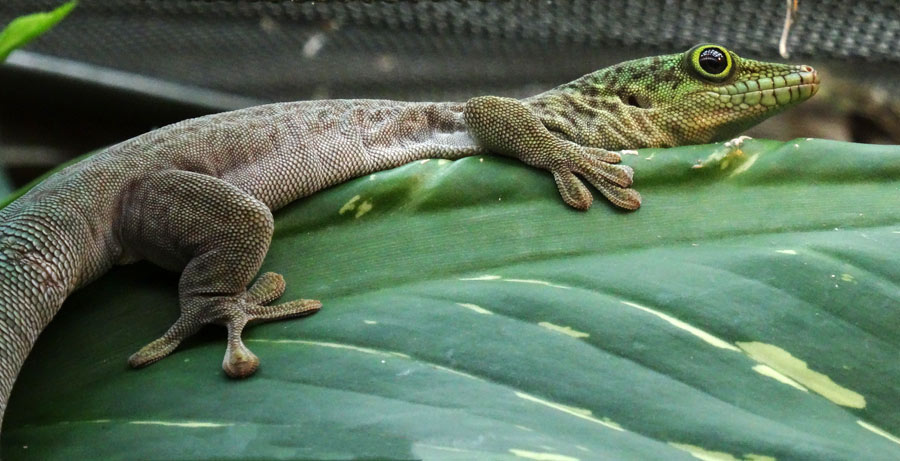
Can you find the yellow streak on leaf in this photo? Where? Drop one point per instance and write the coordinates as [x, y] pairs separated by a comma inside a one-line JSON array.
[[482, 277], [704, 454], [501, 279], [577, 412], [745, 166], [538, 282], [364, 208], [879, 431], [755, 457], [541, 456], [786, 252], [349, 206], [351, 347], [796, 369], [455, 372], [766, 370], [475, 308], [712, 340], [191, 424], [564, 330]]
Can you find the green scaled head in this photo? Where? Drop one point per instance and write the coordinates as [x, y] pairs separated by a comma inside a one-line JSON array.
[[705, 94]]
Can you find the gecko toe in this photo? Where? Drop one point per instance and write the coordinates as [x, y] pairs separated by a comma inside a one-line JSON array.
[[164, 345], [239, 361], [267, 288], [573, 190]]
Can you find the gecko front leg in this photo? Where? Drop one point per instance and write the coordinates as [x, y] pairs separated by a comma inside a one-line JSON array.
[[507, 127]]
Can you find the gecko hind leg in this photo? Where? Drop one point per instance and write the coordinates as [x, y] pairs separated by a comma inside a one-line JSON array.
[[218, 234]]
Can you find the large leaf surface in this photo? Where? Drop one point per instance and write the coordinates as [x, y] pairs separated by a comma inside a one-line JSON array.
[[750, 310]]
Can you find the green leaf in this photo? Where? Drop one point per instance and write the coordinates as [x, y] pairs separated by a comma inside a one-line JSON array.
[[748, 311], [26, 28], [5, 186]]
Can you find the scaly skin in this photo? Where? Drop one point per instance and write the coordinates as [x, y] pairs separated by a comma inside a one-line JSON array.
[[197, 196]]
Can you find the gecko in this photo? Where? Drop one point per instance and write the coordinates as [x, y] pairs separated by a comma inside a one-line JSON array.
[[197, 196]]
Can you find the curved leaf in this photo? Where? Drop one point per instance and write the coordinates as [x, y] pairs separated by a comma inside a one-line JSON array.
[[26, 28], [749, 310]]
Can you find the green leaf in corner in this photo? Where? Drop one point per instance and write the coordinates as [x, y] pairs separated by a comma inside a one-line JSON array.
[[750, 310], [26, 28]]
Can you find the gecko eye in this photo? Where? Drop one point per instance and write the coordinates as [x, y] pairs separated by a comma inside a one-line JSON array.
[[711, 62]]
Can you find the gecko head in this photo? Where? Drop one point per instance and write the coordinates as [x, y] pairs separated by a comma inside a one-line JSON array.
[[705, 94]]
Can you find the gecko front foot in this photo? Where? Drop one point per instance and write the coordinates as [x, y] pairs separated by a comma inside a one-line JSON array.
[[508, 127], [235, 313]]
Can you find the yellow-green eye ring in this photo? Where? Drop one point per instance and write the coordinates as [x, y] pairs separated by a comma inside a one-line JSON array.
[[711, 62]]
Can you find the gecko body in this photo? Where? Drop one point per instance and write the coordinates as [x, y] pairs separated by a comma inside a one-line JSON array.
[[197, 196]]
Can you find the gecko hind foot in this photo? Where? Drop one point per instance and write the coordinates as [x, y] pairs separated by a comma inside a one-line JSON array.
[[235, 313]]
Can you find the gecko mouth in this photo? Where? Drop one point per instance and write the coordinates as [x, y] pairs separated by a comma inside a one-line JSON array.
[[769, 92]]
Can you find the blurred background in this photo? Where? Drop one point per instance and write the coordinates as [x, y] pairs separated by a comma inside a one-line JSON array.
[[116, 68]]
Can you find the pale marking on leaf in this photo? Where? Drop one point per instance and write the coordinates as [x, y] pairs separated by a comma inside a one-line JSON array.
[[350, 205], [712, 340], [755, 457], [455, 372], [564, 330], [528, 429], [192, 424], [879, 431], [848, 278], [483, 277], [582, 448], [786, 252], [541, 456], [364, 208], [744, 166], [372, 177], [443, 161], [895, 232], [766, 370], [628, 152], [796, 369], [370, 322], [501, 279], [650, 157], [538, 282], [92, 421], [330, 345], [577, 412], [704, 454], [475, 308], [425, 161]]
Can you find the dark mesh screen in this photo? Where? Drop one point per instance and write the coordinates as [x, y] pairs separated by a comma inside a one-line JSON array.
[[280, 50]]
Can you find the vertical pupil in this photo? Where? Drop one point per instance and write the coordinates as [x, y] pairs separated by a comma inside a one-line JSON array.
[[712, 61]]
